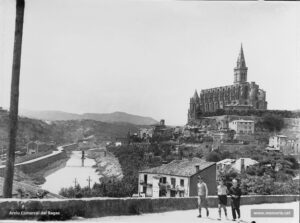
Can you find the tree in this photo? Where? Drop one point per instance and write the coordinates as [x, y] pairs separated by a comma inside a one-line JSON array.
[[213, 157], [14, 99], [273, 122]]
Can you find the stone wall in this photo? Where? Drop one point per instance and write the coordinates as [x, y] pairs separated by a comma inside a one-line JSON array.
[[32, 167], [40, 164], [98, 207]]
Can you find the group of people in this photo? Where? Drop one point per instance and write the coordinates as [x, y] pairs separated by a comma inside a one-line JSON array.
[[234, 193]]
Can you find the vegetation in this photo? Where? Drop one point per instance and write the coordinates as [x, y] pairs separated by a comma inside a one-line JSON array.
[[62, 131], [271, 122], [259, 113], [272, 175], [131, 158]]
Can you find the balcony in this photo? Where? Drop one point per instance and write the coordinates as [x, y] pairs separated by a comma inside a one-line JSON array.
[[177, 188], [145, 183], [166, 186]]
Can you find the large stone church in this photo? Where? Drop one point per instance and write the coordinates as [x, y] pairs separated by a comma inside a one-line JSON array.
[[241, 95]]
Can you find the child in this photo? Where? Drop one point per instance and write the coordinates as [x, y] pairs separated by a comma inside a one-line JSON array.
[[202, 193], [222, 195], [235, 194]]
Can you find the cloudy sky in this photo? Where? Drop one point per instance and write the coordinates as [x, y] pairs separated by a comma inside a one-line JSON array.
[[147, 57]]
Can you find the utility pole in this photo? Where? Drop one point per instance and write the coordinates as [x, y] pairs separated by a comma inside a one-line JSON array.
[[82, 158], [75, 182], [14, 100], [89, 180]]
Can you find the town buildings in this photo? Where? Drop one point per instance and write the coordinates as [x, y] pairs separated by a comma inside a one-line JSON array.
[[177, 178], [281, 143], [242, 126], [239, 165], [242, 95]]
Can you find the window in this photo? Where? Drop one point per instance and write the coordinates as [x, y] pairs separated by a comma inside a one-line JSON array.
[[145, 178], [173, 182], [163, 180], [182, 182]]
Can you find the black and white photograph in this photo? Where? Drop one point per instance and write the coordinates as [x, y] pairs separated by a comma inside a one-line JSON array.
[[149, 111]]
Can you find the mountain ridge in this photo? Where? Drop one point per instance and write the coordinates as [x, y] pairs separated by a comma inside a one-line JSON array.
[[114, 117]]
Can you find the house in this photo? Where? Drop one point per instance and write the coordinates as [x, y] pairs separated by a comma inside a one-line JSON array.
[[145, 133], [117, 144], [242, 126], [282, 143], [238, 165], [177, 178], [32, 147], [225, 164], [241, 164], [87, 142]]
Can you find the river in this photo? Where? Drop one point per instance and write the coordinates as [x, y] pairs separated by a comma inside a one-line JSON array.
[[65, 177]]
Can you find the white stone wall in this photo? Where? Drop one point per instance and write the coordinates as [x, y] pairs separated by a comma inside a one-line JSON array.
[[168, 180], [242, 127]]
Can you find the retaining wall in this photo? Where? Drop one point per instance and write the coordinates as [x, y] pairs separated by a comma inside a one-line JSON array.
[[32, 167], [98, 207]]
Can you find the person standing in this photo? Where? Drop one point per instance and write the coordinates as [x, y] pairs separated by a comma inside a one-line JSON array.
[[235, 194], [202, 196], [222, 196]]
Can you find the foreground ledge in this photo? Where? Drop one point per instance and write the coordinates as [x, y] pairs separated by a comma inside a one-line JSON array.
[[62, 209]]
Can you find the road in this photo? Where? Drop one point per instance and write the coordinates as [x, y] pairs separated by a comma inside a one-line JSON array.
[[59, 150], [190, 216]]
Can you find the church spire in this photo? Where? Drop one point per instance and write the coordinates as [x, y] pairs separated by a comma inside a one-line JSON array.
[[240, 71], [196, 96], [241, 63]]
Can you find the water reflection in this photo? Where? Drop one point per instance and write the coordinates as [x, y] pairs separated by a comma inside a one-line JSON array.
[[76, 168]]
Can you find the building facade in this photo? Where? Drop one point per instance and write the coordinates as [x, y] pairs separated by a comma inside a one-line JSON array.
[[282, 143], [242, 95], [177, 178], [242, 126]]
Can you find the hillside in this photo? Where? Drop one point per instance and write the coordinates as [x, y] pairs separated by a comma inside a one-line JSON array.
[[62, 131], [103, 117]]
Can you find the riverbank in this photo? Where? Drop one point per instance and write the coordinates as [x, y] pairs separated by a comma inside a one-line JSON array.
[[107, 165], [38, 177], [76, 171]]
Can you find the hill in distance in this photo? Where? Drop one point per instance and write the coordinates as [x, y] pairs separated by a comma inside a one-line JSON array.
[[102, 117], [62, 132]]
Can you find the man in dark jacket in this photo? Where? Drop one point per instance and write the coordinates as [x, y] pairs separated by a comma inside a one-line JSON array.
[[235, 194]]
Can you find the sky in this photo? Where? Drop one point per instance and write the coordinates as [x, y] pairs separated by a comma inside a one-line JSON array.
[[147, 57]]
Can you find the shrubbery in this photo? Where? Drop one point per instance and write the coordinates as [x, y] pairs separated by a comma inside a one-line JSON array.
[[259, 113]]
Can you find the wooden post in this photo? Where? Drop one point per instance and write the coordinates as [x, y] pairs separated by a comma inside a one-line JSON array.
[[89, 180], [75, 182], [14, 100]]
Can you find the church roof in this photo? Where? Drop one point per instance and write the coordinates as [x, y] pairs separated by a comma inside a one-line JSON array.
[[241, 63]]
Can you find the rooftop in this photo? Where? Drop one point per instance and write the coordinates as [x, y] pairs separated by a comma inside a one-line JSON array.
[[226, 161], [242, 120], [184, 168]]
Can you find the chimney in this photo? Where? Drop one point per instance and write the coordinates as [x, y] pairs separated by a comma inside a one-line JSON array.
[[242, 165], [197, 168], [162, 122]]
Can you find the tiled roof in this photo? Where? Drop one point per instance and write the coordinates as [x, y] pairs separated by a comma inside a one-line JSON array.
[[180, 167]]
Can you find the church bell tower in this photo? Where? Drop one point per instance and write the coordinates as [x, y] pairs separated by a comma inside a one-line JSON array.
[[240, 71]]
